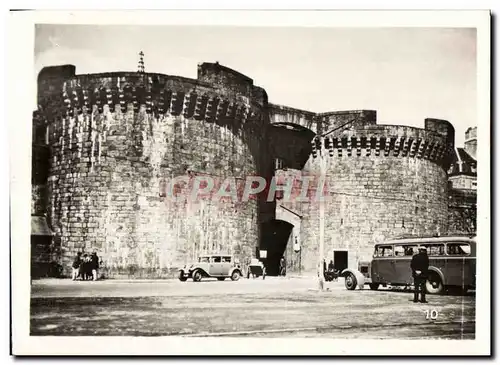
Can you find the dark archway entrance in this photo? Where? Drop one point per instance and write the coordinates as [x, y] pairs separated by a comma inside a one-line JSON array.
[[275, 235]]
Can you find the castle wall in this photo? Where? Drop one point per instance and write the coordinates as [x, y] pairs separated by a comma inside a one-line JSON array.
[[116, 145], [285, 114], [107, 146], [345, 119], [379, 185]]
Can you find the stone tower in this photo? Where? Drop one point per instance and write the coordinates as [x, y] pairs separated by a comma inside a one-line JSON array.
[[116, 141]]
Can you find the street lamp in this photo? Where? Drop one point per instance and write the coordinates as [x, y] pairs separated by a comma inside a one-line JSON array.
[[318, 144], [322, 162]]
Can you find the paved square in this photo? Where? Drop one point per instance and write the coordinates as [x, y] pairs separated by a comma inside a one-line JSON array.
[[275, 307]]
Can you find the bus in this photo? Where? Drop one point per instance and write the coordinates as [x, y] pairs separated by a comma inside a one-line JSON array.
[[452, 264]]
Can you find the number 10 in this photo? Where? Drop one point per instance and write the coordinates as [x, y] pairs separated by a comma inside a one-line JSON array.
[[432, 314]]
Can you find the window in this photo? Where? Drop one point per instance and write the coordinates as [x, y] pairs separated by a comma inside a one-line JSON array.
[[410, 250], [226, 259], [384, 251], [203, 259], [434, 249], [458, 249], [405, 250], [399, 250], [216, 259]]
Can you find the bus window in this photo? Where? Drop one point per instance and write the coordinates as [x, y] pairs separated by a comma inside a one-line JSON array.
[[458, 249], [399, 250], [384, 251], [410, 250], [436, 249]]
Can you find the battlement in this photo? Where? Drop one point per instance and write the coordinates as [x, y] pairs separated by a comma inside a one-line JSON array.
[[345, 119], [63, 93], [224, 77], [160, 98], [56, 72], [388, 140]]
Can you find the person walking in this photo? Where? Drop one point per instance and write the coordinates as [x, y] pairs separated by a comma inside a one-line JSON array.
[[419, 267], [76, 266]]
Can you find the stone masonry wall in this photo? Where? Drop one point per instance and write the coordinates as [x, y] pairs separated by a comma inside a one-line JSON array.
[[111, 143], [114, 153], [377, 189]]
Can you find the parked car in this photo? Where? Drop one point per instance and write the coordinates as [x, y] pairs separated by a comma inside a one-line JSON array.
[[452, 264], [212, 266]]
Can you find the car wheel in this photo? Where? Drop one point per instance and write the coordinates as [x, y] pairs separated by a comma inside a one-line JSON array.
[[433, 284], [182, 277], [197, 275], [235, 275], [374, 286], [221, 279], [350, 281]]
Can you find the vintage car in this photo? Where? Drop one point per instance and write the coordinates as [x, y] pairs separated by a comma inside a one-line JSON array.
[[212, 266], [452, 264]]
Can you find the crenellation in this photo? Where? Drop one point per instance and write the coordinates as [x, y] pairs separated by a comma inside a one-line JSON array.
[[387, 146], [397, 145], [421, 149]]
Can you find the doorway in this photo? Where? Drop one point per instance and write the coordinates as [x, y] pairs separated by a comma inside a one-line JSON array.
[[340, 260], [275, 237]]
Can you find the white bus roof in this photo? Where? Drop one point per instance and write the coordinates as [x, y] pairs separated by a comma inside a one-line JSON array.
[[430, 240]]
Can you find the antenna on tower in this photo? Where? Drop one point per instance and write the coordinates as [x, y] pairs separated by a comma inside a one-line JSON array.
[[140, 67]]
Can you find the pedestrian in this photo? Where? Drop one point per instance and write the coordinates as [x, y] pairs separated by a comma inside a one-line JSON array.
[[94, 265], [419, 267], [84, 267], [331, 266], [282, 266], [76, 266]]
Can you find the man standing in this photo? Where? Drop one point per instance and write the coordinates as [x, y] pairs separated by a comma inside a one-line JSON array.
[[419, 267], [76, 266], [94, 259], [282, 267]]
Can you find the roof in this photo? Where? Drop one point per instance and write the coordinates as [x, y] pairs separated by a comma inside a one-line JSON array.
[[39, 226], [431, 239], [462, 163], [215, 254]]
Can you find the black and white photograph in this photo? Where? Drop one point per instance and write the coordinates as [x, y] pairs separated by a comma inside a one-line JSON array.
[[228, 180]]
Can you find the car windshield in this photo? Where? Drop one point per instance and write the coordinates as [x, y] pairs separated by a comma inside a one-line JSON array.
[[204, 259]]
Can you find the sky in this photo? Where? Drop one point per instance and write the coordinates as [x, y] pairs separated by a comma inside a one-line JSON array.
[[406, 74]]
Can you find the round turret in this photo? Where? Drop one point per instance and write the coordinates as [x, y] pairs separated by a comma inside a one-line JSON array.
[[381, 181], [117, 141]]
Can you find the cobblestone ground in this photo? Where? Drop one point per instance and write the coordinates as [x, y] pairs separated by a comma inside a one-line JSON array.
[[275, 307]]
